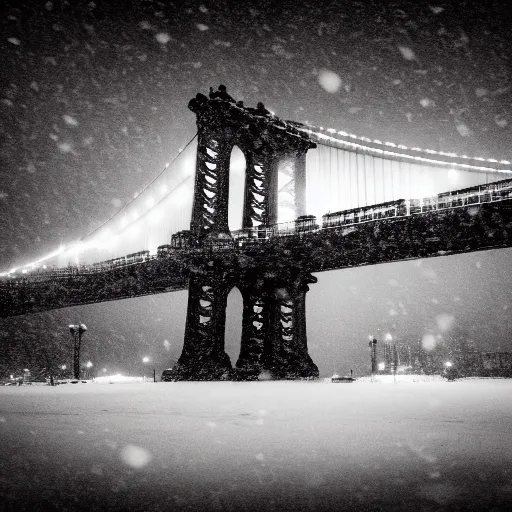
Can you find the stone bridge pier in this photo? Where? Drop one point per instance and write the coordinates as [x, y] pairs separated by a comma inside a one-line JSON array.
[[273, 342], [274, 337], [274, 315]]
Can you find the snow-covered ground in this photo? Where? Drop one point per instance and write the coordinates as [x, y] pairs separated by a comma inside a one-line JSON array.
[[419, 444]]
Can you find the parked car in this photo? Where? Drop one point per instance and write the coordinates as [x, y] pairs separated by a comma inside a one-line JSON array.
[[167, 375]]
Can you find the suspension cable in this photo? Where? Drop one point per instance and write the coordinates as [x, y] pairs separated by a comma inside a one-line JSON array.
[[143, 190]]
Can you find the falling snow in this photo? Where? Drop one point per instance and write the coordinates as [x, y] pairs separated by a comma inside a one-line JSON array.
[[463, 129], [407, 52], [70, 120], [94, 103], [163, 37], [135, 456], [329, 80]]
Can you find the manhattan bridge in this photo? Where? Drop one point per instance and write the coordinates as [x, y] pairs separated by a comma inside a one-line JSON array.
[[313, 200]]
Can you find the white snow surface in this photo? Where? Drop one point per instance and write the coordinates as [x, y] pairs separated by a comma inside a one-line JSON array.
[[417, 444]]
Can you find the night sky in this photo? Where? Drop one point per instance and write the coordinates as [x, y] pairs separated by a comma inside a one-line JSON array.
[[93, 103]]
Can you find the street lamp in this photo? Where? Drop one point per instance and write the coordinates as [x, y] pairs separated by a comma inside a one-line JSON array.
[[88, 366], [373, 352], [76, 331], [145, 360]]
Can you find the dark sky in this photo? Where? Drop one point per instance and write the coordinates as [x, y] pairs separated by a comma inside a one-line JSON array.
[[93, 99]]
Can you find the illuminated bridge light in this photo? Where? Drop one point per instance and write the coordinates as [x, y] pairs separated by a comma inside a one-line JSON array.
[[402, 146], [411, 157]]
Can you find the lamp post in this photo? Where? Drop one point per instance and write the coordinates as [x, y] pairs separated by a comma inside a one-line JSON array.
[[76, 331], [373, 352], [146, 360], [88, 366]]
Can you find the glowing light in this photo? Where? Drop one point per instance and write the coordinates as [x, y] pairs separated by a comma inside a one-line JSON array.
[[145, 359], [388, 337], [133, 230], [409, 157], [155, 216], [401, 146], [381, 366], [448, 364]]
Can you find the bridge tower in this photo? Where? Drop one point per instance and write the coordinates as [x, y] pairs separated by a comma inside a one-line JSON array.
[[274, 324]]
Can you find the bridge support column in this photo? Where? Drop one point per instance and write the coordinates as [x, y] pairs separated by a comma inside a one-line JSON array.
[[260, 201], [290, 358], [211, 191], [255, 333], [203, 356]]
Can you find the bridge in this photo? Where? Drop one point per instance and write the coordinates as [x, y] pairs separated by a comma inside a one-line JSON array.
[[261, 204]]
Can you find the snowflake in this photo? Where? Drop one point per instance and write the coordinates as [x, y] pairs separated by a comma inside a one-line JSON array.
[[163, 37], [329, 80], [70, 120], [425, 102], [407, 53]]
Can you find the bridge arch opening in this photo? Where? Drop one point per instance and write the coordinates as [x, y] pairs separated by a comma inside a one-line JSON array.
[[233, 332], [237, 172]]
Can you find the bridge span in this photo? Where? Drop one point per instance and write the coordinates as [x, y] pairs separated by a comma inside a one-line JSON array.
[[311, 201]]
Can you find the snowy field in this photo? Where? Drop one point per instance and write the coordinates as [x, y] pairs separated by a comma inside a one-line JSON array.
[[414, 445]]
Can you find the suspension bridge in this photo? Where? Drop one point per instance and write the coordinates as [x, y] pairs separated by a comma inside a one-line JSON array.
[[260, 203]]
